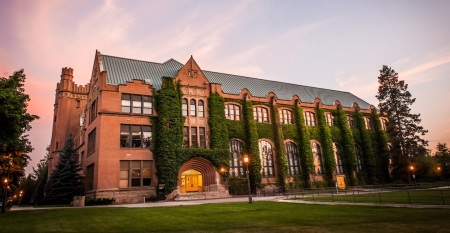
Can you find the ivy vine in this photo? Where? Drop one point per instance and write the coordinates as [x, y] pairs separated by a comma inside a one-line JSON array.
[[326, 140], [304, 146], [252, 146], [280, 150]]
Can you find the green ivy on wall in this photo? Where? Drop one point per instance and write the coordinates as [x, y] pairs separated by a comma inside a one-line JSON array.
[[326, 141], [252, 146], [169, 133], [280, 150], [290, 132], [347, 146], [368, 156], [382, 150], [218, 130], [304, 146], [265, 130]]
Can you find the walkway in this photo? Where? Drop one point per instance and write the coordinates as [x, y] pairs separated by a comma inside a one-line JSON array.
[[240, 199]]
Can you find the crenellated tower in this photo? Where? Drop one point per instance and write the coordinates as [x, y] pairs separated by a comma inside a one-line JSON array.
[[70, 102]]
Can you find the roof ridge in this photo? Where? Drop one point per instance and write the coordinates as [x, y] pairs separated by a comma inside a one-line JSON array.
[[279, 82], [131, 59]]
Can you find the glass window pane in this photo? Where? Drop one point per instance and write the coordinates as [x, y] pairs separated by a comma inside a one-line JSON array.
[[184, 107], [193, 109], [137, 105], [126, 103], [135, 182], [136, 164], [124, 175], [136, 139], [147, 134], [125, 136]]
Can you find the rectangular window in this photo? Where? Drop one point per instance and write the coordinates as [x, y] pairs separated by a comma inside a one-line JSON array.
[[124, 174], [329, 118], [185, 137], [147, 107], [91, 142], [135, 136], [202, 137], [194, 141], [137, 104], [126, 103], [135, 173], [93, 111], [89, 185]]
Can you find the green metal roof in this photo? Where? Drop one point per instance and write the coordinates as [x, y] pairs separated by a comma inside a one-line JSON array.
[[123, 70]]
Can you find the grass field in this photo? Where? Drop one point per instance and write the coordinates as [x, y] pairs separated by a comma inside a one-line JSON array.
[[425, 197], [229, 217]]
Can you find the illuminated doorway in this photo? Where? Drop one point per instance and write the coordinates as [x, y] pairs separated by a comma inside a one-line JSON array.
[[191, 181]]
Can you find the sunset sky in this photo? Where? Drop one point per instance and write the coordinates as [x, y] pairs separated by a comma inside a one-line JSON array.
[[338, 45]]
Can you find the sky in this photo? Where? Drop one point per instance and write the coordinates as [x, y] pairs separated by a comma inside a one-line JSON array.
[[338, 45]]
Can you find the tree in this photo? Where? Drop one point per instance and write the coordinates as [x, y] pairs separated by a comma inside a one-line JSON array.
[[41, 175], [403, 126], [442, 156], [14, 144], [65, 181]]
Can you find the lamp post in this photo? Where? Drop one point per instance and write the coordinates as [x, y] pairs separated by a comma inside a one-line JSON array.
[[20, 196], [246, 161], [5, 182], [223, 172], [439, 171], [413, 174]]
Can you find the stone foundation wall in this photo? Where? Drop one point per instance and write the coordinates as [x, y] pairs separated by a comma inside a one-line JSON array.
[[123, 196]]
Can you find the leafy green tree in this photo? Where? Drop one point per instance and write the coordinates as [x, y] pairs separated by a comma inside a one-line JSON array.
[[26, 189], [15, 122], [442, 156], [403, 127], [65, 180]]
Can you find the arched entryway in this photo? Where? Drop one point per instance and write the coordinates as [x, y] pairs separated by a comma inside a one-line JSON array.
[[198, 175]]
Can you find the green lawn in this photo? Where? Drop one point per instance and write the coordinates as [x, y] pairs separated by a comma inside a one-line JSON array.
[[229, 217], [426, 197]]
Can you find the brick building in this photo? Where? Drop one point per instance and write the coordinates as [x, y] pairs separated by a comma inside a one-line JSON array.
[[110, 119]]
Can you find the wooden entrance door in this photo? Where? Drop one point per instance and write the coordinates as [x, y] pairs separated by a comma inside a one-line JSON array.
[[191, 183]]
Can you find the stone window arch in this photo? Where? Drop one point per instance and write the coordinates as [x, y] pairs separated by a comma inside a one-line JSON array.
[[266, 155]]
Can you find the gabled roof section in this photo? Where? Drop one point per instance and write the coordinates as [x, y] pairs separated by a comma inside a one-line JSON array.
[[233, 84], [122, 70]]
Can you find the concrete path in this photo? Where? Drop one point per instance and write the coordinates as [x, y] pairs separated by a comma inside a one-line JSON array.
[[239, 199]]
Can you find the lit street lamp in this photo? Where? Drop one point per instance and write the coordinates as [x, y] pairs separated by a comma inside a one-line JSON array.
[[246, 161], [439, 171], [5, 182]]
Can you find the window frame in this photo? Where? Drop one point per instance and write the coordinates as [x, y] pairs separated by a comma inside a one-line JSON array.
[[338, 158], [236, 164], [201, 108], [368, 123], [91, 142], [350, 120], [293, 158], [192, 107], [232, 112], [144, 130], [261, 114], [128, 102], [266, 154], [329, 118], [286, 116], [310, 118], [317, 156], [129, 170]]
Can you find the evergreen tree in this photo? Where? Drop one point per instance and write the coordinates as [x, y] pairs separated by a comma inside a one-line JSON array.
[[65, 181], [403, 126], [41, 175]]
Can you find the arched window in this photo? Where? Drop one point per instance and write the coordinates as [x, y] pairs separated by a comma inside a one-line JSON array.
[[358, 158], [266, 154], [317, 155], [350, 121], [233, 112], [338, 159], [184, 107], [193, 109], [236, 167], [330, 119], [368, 122], [285, 116], [292, 158], [260, 114], [201, 108], [310, 118], [383, 124]]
